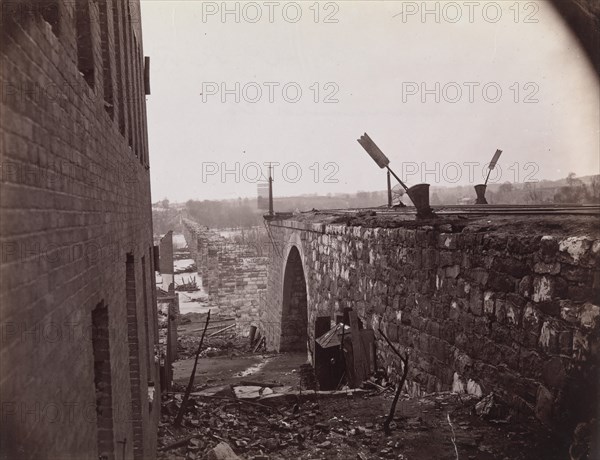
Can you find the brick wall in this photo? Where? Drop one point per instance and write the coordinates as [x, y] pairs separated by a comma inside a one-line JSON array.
[[103, 381], [510, 306], [74, 200]]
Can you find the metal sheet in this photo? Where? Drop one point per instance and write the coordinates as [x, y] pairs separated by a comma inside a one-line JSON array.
[[374, 152], [495, 159]]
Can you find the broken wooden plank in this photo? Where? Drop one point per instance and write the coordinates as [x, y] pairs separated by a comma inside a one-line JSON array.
[[180, 443], [260, 384], [349, 362], [258, 344], [221, 330], [188, 390], [361, 365], [368, 340]]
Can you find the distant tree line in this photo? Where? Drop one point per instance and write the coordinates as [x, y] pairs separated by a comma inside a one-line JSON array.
[[225, 214], [244, 213], [577, 191]]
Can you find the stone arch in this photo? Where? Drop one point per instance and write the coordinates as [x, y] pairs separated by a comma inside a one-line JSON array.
[[294, 308]]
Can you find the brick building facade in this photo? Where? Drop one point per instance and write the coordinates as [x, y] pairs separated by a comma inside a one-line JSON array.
[[78, 376]]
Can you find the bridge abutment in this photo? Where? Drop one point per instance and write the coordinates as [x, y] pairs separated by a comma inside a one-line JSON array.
[[483, 305]]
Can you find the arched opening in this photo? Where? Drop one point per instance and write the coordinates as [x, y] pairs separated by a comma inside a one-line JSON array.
[[294, 312]]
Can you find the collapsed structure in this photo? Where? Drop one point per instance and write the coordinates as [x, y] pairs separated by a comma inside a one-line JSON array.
[[233, 272], [78, 319]]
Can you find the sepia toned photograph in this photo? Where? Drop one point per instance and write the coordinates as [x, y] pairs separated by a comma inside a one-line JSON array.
[[299, 230]]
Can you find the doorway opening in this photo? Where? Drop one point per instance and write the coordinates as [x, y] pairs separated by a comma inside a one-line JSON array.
[[294, 315]]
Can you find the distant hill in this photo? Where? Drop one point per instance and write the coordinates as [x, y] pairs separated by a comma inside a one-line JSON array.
[[245, 212]]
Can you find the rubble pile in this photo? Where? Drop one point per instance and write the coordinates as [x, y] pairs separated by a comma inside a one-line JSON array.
[[222, 338], [189, 285], [190, 268], [257, 430], [344, 426]]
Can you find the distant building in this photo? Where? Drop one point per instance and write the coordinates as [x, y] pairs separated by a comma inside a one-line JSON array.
[[78, 377]]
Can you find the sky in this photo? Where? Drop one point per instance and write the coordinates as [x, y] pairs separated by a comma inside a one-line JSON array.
[[439, 86]]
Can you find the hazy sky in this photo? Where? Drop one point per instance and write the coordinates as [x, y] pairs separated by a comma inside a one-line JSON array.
[[262, 83]]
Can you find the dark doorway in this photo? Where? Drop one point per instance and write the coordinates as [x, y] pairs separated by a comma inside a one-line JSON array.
[[294, 316], [102, 381], [329, 360]]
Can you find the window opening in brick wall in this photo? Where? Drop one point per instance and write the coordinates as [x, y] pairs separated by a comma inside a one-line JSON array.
[[146, 318], [102, 381], [119, 65], [134, 358], [85, 55], [149, 343], [137, 90], [127, 54], [50, 14], [106, 60], [152, 253]]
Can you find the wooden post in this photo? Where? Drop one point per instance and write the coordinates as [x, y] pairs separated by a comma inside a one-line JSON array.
[[361, 366], [389, 190], [188, 390]]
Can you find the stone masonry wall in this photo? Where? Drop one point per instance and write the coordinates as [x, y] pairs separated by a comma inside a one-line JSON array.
[[482, 306], [74, 205], [233, 274]]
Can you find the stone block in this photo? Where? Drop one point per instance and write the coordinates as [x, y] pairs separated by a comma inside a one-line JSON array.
[[589, 316], [481, 325], [581, 346], [565, 343], [547, 268], [531, 317], [500, 333], [465, 261], [489, 303], [500, 310], [501, 282], [554, 373], [518, 244], [222, 451], [516, 268], [574, 249], [526, 286], [548, 340], [476, 301], [430, 258], [569, 311], [548, 248], [543, 288], [544, 404], [578, 292], [549, 307], [453, 271], [446, 258], [447, 241], [530, 363], [495, 241], [479, 276]]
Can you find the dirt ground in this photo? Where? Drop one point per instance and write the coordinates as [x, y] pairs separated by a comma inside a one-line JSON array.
[[304, 425]]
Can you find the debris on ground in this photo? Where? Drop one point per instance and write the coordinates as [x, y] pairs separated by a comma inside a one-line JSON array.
[[222, 451], [190, 268], [315, 425], [269, 407], [188, 285]]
